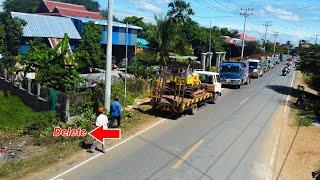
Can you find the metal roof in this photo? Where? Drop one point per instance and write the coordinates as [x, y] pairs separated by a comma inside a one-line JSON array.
[[47, 26], [104, 22]]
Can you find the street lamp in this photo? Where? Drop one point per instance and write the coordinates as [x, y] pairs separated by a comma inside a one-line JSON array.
[[126, 61]]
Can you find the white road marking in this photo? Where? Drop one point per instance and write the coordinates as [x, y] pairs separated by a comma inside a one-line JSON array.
[[275, 147], [109, 149], [244, 101]]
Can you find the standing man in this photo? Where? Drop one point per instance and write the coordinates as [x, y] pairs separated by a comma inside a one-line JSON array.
[[102, 120], [115, 112]]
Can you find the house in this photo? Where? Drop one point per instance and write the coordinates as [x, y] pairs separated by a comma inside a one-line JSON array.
[[55, 8], [50, 28], [234, 45], [118, 37], [79, 15]]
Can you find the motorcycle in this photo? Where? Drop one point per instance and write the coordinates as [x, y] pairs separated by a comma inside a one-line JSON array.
[[285, 71]]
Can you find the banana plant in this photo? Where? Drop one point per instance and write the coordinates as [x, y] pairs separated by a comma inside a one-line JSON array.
[[64, 53]]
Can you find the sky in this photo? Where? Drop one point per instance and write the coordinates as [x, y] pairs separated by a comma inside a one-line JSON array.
[[293, 19]]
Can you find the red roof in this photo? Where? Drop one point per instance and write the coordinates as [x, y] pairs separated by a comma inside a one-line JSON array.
[[246, 38], [67, 9], [76, 13], [51, 5]]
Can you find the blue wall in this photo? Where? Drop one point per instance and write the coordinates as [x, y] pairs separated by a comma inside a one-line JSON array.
[[118, 34]]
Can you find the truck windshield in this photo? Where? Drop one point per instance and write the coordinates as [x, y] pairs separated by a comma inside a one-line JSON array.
[[206, 78], [253, 65], [230, 69]]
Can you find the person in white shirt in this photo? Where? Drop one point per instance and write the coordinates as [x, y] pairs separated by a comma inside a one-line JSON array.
[[102, 120]]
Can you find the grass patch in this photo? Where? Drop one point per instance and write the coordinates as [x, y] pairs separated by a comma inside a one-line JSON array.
[[16, 118], [19, 168], [309, 112]]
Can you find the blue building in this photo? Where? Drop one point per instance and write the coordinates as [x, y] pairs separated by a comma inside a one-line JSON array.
[[53, 27], [118, 36]]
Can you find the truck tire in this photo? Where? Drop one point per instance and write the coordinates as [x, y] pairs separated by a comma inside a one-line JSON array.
[[193, 109], [215, 99], [248, 81]]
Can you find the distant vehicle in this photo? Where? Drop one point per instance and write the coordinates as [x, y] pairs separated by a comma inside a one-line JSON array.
[[265, 66], [285, 70], [277, 59], [255, 69], [235, 73]]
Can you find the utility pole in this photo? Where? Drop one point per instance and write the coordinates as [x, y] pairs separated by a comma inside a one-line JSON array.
[[246, 13], [210, 56], [107, 90], [315, 42], [126, 62], [266, 24], [126, 68], [276, 34]]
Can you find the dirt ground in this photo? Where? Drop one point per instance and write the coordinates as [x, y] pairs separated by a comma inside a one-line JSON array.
[[304, 156]]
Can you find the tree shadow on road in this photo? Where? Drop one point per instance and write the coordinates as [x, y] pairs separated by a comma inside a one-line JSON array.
[[294, 92]]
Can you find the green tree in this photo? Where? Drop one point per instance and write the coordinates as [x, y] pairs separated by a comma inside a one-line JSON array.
[[13, 29], [252, 48], [2, 39], [310, 63], [91, 5], [90, 53], [55, 68], [104, 13], [26, 6], [180, 11]]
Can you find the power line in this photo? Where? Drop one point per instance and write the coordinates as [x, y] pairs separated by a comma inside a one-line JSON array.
[[209, 6], [246, 13], [212, 17]]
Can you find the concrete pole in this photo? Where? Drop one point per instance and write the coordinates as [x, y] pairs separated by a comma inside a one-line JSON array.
[[126, 68], [210, 56], [244, 31], [275, 43], [107, 92]]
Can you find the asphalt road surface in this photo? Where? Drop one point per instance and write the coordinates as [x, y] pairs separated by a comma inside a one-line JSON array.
[[222, 141]]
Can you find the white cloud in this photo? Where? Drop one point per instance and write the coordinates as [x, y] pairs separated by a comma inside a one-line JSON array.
[[282, 13], [123, 14], [146, 6]]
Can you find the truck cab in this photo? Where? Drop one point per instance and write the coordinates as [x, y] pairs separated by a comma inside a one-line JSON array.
[[255, 68], [235, 73], [211, 79]]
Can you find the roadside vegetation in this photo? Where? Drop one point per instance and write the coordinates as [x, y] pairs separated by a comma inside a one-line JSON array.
[[309, 64], [173, 33]]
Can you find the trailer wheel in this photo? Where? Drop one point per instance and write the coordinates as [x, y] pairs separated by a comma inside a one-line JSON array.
[[215, 99], [193, 109]]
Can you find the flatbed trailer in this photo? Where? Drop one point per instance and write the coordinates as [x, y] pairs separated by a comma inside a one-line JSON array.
[[176, 104]]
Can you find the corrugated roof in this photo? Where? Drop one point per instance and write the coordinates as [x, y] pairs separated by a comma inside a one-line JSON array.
[[51, 5], [77, 13], [47, 26], [104, 22]]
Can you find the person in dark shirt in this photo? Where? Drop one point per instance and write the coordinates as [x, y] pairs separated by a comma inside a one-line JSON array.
[[115, 112]]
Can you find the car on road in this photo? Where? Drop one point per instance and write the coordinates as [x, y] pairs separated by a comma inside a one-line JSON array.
[[255, 68]]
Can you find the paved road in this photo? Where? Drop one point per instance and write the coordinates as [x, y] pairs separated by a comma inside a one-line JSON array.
[[221, 141]]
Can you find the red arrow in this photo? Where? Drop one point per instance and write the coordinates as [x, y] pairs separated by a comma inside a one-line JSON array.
[[99, 134]]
